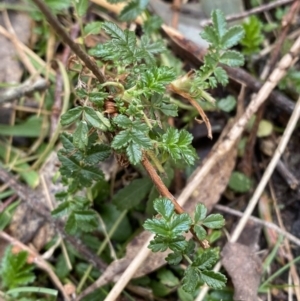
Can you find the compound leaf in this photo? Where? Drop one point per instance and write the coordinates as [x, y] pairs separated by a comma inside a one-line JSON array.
[[213, 279], [214, 221]]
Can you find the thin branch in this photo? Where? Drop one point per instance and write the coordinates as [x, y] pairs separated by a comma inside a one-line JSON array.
[[164, 191], [25, 89], [256, 10], [90, 64], [261, 222]]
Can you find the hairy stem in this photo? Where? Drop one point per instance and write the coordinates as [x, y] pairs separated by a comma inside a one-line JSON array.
[[60, 31]]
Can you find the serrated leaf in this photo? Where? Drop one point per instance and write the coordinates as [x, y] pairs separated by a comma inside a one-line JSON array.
[[97, 153], [71, 116], [169, 109], [180, 223], [191, 279], [141, 139], [174, 258], [232, 36], [157, 226], [253, 35], [122, 121], [200, 232], [210, 35], [131, 195], [83, 220], [14, 270], [214, 221], [152, 24], [200, 212], [219, 22], [91, 116], [158, 244], [114, 30], [232, 58], [213, 279], [132, 10], [121, 139], [80, 135], [177, 244], [164, 207], [239, 182], [206, 260], [134, 153], [227, 104], [92, 28], [61, 210], [221, 76]]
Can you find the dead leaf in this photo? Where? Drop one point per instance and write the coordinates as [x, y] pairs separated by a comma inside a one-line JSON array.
[[244, 268]]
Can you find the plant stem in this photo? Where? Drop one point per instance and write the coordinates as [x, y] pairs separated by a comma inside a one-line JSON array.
[[164, 191], [90, 64]]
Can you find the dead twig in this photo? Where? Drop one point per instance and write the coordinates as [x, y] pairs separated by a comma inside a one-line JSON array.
[[66, 39], [25, 89], [256, 10], [261, 222]]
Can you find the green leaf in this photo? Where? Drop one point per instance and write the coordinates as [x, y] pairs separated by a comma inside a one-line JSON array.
[[254, 37], [61, 210], [114, 31], [80, 136], [81, 7], [157, 226], [110, 214], [14, 270], [232, 58], [232, 36], [95, 120], [152, 24], [141, 139], [162, 243], [210, 35], [121, 140], [81, 220], [132, 194], [200, 232], [134, 153], [265, 128], [219, 22], [97, 153], [227, 104], [122, 121], [155, 79], [31, 127], [92, 28], [239, 182], [206, 260], [200, 212], [71, 116], [214, 221], [180, 223], [221, 76], [191, 279], [178, 145], [167, 277], [213, 279], [169, 109], [174, 258], [164, 207], [132, 10]]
